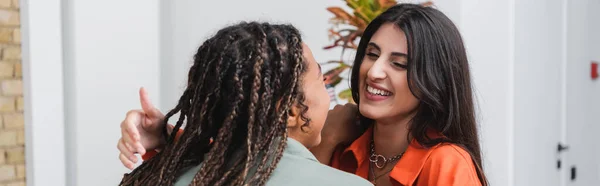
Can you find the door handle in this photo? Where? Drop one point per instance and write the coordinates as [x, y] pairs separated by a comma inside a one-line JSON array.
[[573, 172], [559, 149], [562, 147]]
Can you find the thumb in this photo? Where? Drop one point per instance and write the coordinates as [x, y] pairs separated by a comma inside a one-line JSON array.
[[147, 105]]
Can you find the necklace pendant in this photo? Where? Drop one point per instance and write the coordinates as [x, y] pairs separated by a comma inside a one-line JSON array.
[[379, 166], [378, 160]]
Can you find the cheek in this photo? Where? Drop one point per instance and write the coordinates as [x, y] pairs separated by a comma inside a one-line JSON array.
[[362, 72], [318, 104], [364, 68], [323, 103], [404, 97]]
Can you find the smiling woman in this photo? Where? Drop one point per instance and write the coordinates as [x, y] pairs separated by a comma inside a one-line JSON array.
[[354, 24], [413, 91], [386, 59]]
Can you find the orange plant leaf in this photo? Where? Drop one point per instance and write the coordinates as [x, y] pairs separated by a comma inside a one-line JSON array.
[[385, 4], [426, 4], [340, 13], [332, 77]]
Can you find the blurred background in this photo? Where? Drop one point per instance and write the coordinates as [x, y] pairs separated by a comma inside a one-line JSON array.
[[71, 69]]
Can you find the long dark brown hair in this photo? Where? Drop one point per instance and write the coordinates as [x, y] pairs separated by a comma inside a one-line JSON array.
[[438, 75], [242, 84]]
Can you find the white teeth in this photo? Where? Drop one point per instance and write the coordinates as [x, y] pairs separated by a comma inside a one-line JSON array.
[[377, 91]]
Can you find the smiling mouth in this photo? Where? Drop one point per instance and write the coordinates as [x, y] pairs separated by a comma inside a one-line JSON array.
[[376, 91]]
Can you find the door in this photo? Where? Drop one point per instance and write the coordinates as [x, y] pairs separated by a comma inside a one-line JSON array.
[[583, 108], [537, 92]]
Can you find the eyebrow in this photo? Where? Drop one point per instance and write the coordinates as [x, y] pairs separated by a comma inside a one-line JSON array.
[[374, 45], [399, 54]]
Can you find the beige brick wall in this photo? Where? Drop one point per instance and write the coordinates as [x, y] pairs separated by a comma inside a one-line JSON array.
[[12, 140]]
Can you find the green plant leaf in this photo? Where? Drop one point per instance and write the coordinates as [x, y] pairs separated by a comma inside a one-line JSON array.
[[364, 3], [359, 13], [346, 95], [376, 5], [352, 4]]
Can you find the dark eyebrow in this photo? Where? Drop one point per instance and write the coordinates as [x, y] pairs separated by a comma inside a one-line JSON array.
[[399, 54], [374, 45]]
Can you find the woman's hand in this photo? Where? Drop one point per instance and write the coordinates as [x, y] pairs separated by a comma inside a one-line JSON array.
[[340, 129], [341, 125], [140, 131]]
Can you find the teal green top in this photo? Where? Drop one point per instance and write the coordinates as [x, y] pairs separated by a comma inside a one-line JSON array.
[[297, 166]]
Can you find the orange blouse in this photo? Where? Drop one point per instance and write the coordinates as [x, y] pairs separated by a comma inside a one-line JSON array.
[[443, 164]]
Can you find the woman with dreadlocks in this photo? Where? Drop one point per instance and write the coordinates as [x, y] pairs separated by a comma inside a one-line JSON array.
[[248, 119]]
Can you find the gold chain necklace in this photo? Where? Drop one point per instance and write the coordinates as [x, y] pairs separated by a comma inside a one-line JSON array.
[[376, 158], [379, 160]]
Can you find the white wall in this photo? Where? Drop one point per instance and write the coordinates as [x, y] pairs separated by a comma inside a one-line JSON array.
[[191, 22], [111, 49], [43, 92], [486, 27]]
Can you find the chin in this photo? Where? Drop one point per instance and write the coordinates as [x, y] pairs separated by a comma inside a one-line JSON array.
[[315, 143], [370, 112]]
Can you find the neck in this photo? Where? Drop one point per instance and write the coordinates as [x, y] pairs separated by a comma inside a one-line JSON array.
[[391, 138], [299, 136]]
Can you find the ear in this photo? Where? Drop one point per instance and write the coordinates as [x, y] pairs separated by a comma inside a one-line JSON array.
[[293, 117]]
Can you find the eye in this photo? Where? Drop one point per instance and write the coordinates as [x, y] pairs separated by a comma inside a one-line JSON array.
[[399, 65], [371, 54]]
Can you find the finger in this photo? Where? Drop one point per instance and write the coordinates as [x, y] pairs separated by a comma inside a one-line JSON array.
[[147, 105], [140, 148], [170, 128], [127, 139], [132, 134], [126, 161], [131, 123], [126, 151]]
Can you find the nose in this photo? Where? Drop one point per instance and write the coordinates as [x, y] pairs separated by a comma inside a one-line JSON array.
[[377, 70]]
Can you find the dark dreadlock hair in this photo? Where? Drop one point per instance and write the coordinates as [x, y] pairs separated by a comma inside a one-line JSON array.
[[242, 84]]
